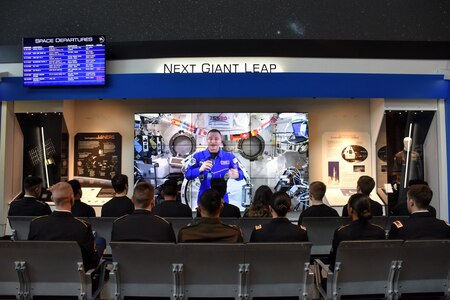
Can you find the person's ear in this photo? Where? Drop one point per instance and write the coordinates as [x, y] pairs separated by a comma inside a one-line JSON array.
[[349, 210]]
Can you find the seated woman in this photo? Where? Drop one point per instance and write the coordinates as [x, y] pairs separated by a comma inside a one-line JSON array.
[[279, 229], [360, 228], [260, 204]]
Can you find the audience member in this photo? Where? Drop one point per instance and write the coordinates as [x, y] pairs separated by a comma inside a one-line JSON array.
[[360, 228], [29, 205], [317, 191], [421, 224], [120, 204], [209, 228], [170, 207], [62, 226], [260, 204], [228, 210], [365, 186], [280, 229], [401, 209], [141, 225], [79, 208]]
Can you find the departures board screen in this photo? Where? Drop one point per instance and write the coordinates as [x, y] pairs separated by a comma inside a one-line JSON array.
[[64, 61]]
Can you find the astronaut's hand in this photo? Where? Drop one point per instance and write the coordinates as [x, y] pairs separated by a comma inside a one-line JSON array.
[[233, 173], [206, 165]]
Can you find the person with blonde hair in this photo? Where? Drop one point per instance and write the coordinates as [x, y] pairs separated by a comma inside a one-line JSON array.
[[62, 226]]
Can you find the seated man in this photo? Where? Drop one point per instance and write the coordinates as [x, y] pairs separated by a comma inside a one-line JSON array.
[[29, 205], [170, 207], [141, 225], [317, 191], [209, 228], [120, 204], [62, 226], [79, 208], [365, 186], [228, 210], [421, 224], [401, 209]]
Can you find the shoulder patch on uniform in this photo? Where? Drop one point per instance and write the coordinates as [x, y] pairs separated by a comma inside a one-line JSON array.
[[398, 224], [303, 227], [82, 221], [232, 226], [258, 227], [120, 218], [162, 219]]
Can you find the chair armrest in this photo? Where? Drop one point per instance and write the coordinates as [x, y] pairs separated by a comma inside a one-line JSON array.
[[320, 266], [90, 274]]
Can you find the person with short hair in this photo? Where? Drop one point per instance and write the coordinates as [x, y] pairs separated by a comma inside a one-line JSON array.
[[365, 186], [421, 224], [209, 228], [360, 228], [120, 204], [401, 209], [280, 229], [79, 208], [62, 226], [259, 208], [170, 207], [141, 225], [213, 162], [228, 210], [29, 205], [317, 191]]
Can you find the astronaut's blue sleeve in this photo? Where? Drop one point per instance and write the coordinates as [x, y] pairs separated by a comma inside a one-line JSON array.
[[193, 171]]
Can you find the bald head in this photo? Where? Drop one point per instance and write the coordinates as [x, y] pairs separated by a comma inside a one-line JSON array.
[[62, 194]]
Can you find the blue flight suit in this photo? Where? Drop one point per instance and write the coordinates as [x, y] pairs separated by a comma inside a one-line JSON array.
[[221, 164]]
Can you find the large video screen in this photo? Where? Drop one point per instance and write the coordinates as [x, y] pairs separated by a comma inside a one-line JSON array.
[[265, 148], [64, 61]]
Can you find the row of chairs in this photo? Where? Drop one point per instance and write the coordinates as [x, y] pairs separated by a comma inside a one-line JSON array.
[[389, 269], [320, 230]]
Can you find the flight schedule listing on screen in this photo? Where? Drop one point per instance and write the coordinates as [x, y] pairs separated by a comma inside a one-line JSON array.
[[64, 61]]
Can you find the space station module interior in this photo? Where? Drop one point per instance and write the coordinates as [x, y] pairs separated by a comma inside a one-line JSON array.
[[271, 149]]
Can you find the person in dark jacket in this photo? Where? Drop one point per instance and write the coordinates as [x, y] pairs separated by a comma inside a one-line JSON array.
[[120, 204], [79, 208], [317, 191], [365, 185], [170, 207], [280, 229], [141, 225], [61, 225], [421, 224], [360, 228], [209, 228], [29, 205]]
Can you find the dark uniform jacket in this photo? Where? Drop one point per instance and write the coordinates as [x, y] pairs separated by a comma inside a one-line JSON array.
[[172, 209], [62, 226], [117, 207], [81, 209], [375, 208], [356, 230], [28, 206], [321, 210], [210, 230], [142, 226], [278, 230], [420, 225]]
